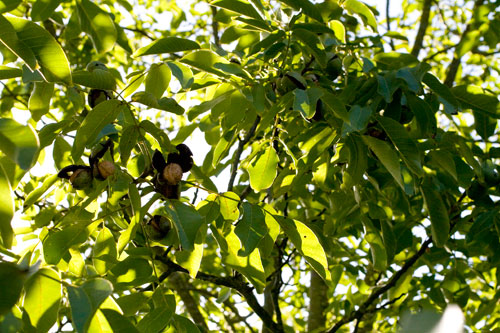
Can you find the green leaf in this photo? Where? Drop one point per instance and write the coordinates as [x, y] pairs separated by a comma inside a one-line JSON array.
[[238, 6], [181, 73], [39, 102], [97, 79], [395, 60], [34, 195], [6, 210], [468, 41], [158, 79], [160, 136], [187, 222], [357, 162], [43, 295], [98, 24], [263, 169], [128, 140], [191, 260], [131, 272], [336, 106], [251, 228], [20, 143], [101, 115], [357, 7], [305, 101], [307, 8], [164, 103], [426, 119], [11, 283], [338, 29], [441, 90], [104, 252], [8, 5], [307, 243], [440, 223], [53, 62], [57, 243], [97, 290], [167, 45], [403, 143], [156, 320], [445, 161], [183, 324], [250, 266], [7, 72], [81, 308], [118, 322], [474, 98], [43, 9], [14, 44], [206, 61], [377, 247], [228, 203], [358, 119], [383, 89], [313, 43], [387, 156], [484, 125]]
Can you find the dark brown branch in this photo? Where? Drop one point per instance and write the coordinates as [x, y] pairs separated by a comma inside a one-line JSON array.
[[388, 22], [236, 283], [363, 308], [215, 27], [239, 151], [424, 23], [181, 287], [455, 63]]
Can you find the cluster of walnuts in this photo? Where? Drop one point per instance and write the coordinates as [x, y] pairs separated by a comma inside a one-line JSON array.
[[168, 173], [81, 176]]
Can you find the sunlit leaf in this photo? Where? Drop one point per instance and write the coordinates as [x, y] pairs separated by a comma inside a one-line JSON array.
[[307, 243], [48, 52], [167, 45], [262, 169], [20, 143], [43, 295], [98, 24], [102, 114], [187, 222]]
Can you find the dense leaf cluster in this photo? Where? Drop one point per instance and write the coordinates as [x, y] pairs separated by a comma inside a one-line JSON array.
[[362, 177]]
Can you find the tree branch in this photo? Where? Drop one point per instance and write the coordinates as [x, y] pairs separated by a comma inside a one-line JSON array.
[[236, 283], [424, 23], [455, 63], [363, 308], [388, 22], [239, 151], [215, 27], [180, 284]]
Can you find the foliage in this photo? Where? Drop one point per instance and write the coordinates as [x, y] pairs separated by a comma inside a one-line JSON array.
[[361, 165]]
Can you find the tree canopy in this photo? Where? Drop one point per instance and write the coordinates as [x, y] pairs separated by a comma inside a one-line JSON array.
[[231, 165]]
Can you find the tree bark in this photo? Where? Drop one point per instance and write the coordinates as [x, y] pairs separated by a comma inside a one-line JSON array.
[[180, 285], [455, 63], [424, 23], [318, 301]]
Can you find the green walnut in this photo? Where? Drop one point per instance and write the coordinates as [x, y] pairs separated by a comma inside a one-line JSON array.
[[158, 227], [81, 178], [477, 190], [106, 169]]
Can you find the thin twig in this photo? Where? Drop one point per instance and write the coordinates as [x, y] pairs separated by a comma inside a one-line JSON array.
[[239, 151], [215, 27]]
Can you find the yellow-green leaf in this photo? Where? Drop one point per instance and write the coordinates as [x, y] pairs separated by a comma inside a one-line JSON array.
[[263, 169], [307, 243]]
